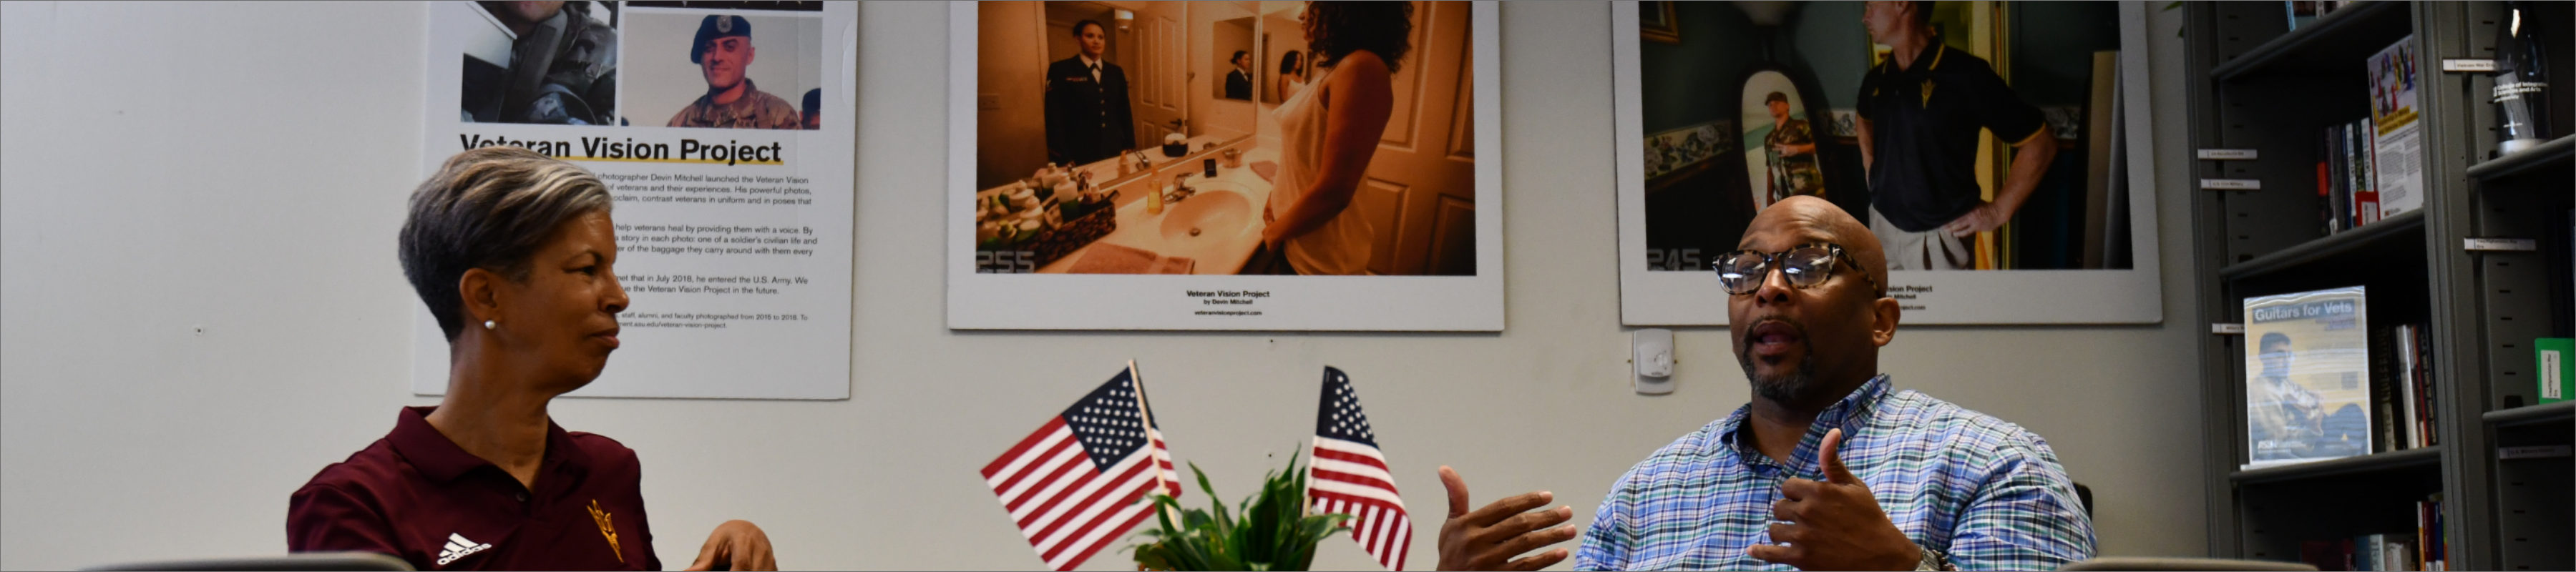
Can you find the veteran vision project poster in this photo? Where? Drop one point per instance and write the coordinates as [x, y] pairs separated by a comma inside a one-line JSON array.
[[724, 132]]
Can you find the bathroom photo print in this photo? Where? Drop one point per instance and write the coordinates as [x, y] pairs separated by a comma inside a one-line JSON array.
[[1991, 147], [1161, 165]]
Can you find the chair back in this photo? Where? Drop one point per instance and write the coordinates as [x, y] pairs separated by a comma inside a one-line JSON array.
[[292, 562], [2160, 563]]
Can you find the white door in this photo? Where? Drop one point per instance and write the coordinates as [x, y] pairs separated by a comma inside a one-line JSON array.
[[1420, 191], [1155, 69]]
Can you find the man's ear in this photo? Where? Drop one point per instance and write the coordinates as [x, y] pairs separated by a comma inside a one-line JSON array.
[[481, 290], [1884, 313]]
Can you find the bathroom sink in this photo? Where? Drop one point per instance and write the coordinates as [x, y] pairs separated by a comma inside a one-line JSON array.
[[1218, 214]]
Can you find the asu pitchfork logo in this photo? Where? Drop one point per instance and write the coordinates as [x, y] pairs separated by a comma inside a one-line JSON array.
[[606, 529]]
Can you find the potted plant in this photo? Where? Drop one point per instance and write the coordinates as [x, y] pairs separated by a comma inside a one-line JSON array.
[[1273, 531]]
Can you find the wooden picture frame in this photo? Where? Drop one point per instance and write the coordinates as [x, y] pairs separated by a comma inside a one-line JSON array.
[[1657, 22]]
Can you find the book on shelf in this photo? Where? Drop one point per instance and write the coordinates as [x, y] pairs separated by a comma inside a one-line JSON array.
[[2372, 168], [2396, 156], [2555, 371], [2401, 387], [2389, 552], [2306, 362], [2431, 553], [2303, 12]]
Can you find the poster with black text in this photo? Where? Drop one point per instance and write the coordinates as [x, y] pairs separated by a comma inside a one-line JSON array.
[[724, 133]]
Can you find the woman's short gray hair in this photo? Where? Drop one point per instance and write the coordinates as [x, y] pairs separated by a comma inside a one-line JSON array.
[[488, 208]]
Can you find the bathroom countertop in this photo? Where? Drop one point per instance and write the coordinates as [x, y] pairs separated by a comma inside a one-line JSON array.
[[1215, 250]]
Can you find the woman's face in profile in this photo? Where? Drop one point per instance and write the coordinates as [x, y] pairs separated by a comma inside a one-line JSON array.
[[565, 313], [1307, 24]]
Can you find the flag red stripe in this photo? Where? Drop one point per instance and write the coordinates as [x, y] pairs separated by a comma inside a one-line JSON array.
[[1361, 480], [1037, 466], [1105, 540], [1349, 457], [1079, 463], [1403, 546], [1075, 511], [1124, 497], [1081, 477], [1354, 500], [1040, 436]]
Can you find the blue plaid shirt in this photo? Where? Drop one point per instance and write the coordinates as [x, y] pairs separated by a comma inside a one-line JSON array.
[[1985, 492]]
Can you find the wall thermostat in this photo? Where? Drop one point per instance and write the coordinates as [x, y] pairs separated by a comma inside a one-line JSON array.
[[1650, 358]]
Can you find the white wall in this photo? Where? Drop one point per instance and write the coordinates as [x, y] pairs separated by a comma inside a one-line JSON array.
[[200, 307]]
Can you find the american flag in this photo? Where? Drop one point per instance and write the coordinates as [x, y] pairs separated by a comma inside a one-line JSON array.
[[1349, 475], [1079, 482]]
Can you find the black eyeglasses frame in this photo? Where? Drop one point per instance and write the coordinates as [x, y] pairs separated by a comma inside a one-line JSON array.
[[1771, 263]]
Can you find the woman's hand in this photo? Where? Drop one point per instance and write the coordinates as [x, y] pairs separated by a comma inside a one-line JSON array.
[[735, 545]]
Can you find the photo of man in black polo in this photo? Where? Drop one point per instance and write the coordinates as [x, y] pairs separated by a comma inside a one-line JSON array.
[[1920, 113], [1087, 113]]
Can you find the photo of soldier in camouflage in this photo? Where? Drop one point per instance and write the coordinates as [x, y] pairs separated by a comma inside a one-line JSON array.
[[742, 71], [557, 64]]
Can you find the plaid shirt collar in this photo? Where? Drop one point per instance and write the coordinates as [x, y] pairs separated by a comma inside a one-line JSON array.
[[1848, 414]]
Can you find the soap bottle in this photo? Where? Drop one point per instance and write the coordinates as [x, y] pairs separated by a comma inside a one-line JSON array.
[[1154, 200]]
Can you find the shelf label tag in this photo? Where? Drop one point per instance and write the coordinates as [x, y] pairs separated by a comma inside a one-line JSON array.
[[2228, 154], [2499, 244], [2467, 65], [2227, 329], [2533, 451], [2231, 184]]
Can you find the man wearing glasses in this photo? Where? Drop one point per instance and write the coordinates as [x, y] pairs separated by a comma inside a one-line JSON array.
[[1829, 468]]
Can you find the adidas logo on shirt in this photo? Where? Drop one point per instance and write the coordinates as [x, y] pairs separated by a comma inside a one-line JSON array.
[[458, 547]]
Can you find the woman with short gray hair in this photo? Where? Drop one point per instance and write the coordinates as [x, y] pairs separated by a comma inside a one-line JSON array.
[[515, 254]]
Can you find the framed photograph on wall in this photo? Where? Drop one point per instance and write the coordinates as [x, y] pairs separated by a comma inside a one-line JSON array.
[[1999, 151], [1160, 165]]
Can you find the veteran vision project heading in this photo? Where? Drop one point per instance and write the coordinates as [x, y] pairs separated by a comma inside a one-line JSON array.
[[601, 148]]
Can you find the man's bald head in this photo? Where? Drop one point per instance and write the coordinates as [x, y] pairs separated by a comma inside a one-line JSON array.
[[1805, 347], [1805, 219]]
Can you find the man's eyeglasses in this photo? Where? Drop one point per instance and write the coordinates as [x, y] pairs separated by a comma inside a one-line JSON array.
[[1806, 266]]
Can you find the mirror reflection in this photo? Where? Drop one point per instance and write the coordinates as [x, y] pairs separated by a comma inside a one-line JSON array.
[[1284, 42], [1078, 83], [1233, 41]]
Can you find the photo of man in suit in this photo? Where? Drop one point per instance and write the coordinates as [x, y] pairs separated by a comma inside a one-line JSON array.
[[1238, 83], [1087, 113]]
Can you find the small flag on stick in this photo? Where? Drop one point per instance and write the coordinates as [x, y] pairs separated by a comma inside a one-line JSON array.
[[1349, 475], [1080, 481]]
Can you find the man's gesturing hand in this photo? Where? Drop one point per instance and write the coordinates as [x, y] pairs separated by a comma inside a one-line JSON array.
[[1488, 538], [1835, 524]]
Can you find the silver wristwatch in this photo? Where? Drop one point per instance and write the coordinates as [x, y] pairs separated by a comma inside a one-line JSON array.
[[1933, 560]]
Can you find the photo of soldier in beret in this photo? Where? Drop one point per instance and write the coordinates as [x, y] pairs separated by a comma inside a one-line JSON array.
[[723, 51]]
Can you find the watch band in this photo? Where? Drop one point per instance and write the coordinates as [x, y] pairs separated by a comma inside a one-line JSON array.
[[1933, 561]]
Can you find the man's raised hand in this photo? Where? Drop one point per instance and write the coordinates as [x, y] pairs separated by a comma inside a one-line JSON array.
[[1834, 524], [1489, 537]]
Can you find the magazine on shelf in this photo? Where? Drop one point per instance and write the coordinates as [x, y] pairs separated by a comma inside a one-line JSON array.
[[2307, 357], [2397, 136]]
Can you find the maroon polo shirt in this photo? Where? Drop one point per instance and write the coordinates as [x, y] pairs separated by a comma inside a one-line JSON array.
[[417, 496]]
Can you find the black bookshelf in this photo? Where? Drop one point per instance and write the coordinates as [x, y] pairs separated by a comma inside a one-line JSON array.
[[2556, 153], [2339, 40], [2532, 414], [2408, 227], [2256, 84], [2425, 458]]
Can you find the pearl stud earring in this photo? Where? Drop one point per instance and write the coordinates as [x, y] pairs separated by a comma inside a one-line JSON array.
[[490, 324]]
